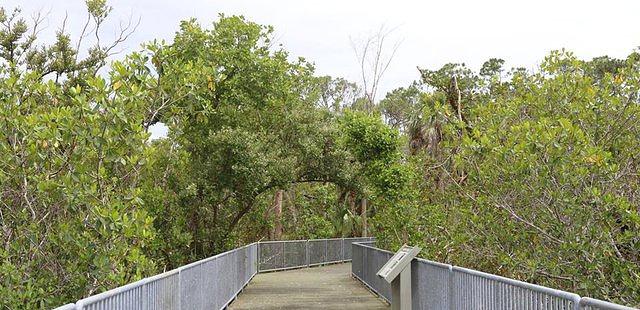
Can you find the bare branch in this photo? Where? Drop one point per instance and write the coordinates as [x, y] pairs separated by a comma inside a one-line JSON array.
[[125, 32], [374, 57], [83, 35]]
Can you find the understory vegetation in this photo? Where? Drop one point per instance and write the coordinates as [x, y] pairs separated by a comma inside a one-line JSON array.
[[528, 174]]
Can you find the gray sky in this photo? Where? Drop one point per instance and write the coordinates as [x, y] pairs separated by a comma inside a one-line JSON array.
[[432, 32]]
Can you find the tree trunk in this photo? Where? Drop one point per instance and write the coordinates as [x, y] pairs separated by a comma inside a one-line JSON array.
[[363, 205], [352, 202], [277, 207], [352, 210], [291, 199], [455, 98]]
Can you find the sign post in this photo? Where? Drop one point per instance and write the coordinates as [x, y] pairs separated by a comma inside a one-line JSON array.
[[397, 272]]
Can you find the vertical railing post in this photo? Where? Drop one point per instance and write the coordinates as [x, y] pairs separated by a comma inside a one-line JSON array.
[[576, 302], [451, 289], [306, 247], [496, 293], [364, 263], [257, 256], [283, 256], [145, 295], [180, 288], [326, 251]]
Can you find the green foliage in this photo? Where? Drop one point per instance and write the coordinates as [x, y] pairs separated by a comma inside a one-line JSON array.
[[542, 186], [245, 122], [383, 177], [401, 106], [369, 139], [88, 203], [314, 212], [71, 212], [335, 94], [535, 179]]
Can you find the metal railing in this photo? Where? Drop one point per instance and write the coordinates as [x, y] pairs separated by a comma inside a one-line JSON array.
[[441, 286], [214, 282], [211, 283], [282, 255]]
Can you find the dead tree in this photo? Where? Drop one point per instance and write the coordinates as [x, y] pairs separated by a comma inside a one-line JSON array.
[[374, 57]]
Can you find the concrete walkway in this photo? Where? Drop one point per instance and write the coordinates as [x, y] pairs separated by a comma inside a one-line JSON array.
[[326, 287]]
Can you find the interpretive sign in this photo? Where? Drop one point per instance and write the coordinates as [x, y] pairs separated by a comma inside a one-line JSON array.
[[398, 262], [397, 272]]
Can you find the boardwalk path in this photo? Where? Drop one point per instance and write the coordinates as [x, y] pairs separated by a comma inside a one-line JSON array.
[[326, 287]]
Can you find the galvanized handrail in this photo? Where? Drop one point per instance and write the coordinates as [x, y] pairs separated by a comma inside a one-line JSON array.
[[442, 286], [214, 282], [591, 303]]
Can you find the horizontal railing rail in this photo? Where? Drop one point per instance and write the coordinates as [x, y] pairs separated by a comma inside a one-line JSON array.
[[593, 304], [442, 286]]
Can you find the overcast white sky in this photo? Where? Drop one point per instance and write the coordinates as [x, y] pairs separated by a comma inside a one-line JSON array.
[[432, 32]]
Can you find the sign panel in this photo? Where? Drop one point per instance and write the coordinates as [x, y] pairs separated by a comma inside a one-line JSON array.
[[398, 262]]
